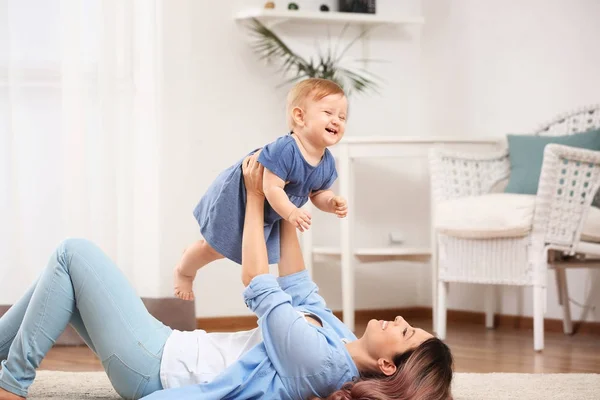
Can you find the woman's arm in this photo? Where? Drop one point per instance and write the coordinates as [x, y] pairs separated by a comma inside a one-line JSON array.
[[254, 248], [293, 276], [291, 260], [286, 334]]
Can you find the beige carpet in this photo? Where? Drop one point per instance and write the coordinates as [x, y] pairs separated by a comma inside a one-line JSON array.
[[95, 385]]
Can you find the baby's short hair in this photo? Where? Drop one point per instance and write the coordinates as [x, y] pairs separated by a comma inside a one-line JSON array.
[[314, 88]]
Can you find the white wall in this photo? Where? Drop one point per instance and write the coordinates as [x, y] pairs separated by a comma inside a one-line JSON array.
[[499, 67], [216, 109], [474, 68]]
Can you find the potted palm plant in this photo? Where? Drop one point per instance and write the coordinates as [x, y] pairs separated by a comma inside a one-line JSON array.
[[271, 48]]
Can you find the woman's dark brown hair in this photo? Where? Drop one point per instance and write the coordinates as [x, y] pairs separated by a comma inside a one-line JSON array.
[[424, 373]]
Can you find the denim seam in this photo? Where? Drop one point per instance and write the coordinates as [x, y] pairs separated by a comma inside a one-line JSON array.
[[115, 355], [38, 325], [145, 378], [10, 338], [43, 318], [148, 352], [139, 391], [110, 297]]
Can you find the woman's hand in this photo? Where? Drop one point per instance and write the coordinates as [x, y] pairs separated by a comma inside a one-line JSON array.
[[253, 175]]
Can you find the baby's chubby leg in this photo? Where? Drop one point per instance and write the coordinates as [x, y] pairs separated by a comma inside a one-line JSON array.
[[194, 257]]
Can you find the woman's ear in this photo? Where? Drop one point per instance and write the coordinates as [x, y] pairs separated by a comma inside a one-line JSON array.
[[298, 116], [386, 366]]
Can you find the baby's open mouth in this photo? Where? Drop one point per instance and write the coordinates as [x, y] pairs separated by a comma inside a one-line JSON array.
[[333, 131]]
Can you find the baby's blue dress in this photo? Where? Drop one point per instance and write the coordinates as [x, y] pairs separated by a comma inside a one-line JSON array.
[[220, 213]]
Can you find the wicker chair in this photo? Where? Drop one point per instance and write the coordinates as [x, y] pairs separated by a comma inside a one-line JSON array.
[[555, 238]]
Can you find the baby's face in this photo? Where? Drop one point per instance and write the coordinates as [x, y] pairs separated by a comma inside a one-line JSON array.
[[325, 120]]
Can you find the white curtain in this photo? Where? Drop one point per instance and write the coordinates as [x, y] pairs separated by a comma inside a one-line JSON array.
[[79, 134]]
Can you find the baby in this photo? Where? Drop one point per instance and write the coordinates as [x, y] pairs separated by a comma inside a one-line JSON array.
[[297, 167]]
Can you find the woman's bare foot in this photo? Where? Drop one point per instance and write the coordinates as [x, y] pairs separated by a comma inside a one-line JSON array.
[[183, 285], [4, 395]]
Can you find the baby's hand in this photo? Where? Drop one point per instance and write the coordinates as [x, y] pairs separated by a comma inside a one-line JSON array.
[[339, 206], [300, 219]]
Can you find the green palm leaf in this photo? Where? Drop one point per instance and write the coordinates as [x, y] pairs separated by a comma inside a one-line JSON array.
[[271, 48], [268, 45]]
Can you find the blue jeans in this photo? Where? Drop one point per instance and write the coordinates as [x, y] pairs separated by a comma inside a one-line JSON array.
[[83, 287]]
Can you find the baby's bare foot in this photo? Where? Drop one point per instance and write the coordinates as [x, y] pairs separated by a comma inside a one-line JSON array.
[[4, 395], [183, 285]]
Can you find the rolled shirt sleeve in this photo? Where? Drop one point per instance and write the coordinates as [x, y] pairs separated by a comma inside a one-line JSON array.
[[286, 334], [302, 289]]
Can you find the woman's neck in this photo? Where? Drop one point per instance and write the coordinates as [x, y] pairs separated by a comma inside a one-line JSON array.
[[361, 357], [310, 151]]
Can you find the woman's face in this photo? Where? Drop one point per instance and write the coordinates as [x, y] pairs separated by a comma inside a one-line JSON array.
[[385, 339]]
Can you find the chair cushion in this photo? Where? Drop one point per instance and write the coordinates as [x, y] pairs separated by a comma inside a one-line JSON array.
[[526, 154], [591, 228], [498, 215]]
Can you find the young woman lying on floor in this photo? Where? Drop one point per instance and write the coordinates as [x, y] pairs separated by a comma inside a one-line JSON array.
[[299, 351]]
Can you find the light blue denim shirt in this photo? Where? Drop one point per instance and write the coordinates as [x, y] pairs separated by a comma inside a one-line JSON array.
[[296, 360]]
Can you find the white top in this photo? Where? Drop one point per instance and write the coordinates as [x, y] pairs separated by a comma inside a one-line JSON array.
[[191, 358]]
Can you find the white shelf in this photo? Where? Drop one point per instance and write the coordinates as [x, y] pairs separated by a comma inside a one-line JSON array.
[[378, 254], [271, 15], [419, 140]]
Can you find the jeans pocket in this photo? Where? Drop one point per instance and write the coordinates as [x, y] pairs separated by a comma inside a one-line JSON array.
[[153, 344], [153, 352], [129, 383]]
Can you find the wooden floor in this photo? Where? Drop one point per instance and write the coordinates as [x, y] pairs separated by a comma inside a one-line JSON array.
[[475, 349]]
